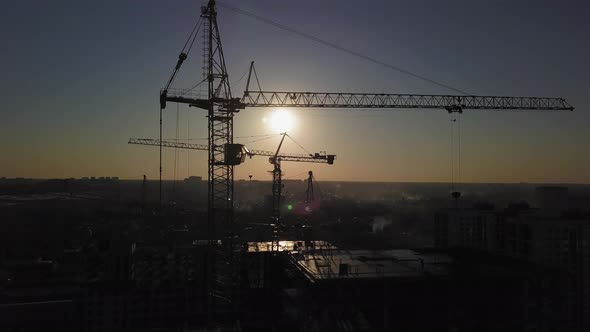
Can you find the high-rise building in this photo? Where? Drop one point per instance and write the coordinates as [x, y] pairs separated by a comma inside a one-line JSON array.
[[467, 228], [549, 237], [561, 242]]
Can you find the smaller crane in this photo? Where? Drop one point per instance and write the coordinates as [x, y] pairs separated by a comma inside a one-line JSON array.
[[277, 185], [144, 194], [309, 197], [311, 203], [236, 154], [312, 200]]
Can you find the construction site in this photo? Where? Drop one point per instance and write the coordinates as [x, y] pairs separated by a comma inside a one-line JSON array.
[[319, 285], [288, 254]]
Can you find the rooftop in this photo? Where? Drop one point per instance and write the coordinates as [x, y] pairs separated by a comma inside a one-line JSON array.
[[329, 262]]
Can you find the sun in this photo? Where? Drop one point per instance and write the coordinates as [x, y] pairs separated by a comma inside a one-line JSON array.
[[280, 121]]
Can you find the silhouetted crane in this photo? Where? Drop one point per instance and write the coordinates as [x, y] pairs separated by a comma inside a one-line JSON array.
[[309, 197], [241, 151], [221, 107]]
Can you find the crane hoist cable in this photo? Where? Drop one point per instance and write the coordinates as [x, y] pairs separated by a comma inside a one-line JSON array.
[[176, 152], [339, 48], [455, 156], [160, 167], [188, 137], [459, 161], [452, 159]]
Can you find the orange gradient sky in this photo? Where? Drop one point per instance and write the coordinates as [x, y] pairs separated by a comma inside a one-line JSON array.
[[79, 79]]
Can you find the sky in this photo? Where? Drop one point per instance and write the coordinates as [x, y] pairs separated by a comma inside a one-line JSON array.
[[80, 78]]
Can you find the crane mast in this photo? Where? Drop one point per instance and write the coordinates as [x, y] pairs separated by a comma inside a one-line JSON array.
[[277, 183], [309, 196], [223, 276]]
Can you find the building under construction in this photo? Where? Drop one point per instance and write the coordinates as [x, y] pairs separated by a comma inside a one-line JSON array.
[[319, 285], [315, 286]]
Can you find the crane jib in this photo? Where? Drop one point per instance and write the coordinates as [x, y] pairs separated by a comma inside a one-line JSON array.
[[234, 154], [450, 103]]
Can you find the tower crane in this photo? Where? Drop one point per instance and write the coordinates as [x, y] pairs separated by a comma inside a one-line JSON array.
[[359, 100], [309, 196], [277, 185], [238, 153], [275, 158], [311, 202], [221, 108]]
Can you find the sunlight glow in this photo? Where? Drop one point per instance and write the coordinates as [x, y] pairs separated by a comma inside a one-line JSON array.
[[280, 121]]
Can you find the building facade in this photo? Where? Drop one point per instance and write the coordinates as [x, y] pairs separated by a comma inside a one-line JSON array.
[[548, 237]]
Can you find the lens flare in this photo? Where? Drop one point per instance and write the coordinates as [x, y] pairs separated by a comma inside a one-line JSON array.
[[280, 121]]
